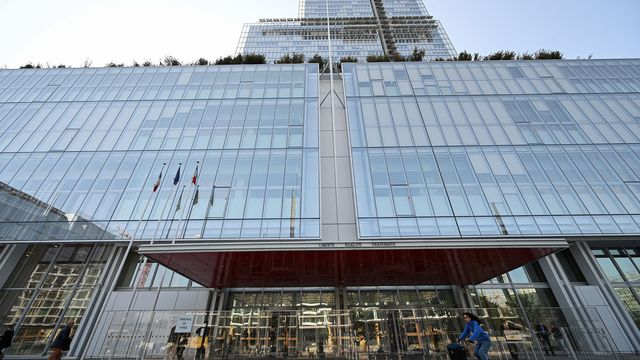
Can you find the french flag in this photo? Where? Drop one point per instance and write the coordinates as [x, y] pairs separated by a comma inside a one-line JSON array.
[[157, 184], [194, 179]]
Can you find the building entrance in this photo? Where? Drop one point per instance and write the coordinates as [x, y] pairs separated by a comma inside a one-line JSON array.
[[281, 334], [280, 324], [312, 324], [406, 333], [354, 324]]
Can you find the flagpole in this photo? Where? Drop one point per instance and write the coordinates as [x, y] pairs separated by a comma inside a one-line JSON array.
[[175, 236], [166, 203], [153, 238], [196, 188], [143, 351], [164, 273], [124, 260], [157, 296], [292, 215], [183, 233]]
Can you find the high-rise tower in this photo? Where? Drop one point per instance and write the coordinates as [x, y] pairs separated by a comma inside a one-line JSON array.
[[357, 28]]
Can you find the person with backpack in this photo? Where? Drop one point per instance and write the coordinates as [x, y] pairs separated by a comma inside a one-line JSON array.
[[5, 340], [62, 342], [475, 333]]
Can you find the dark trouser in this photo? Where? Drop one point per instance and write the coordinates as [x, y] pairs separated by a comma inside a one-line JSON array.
[[180, 352], [546, 345]]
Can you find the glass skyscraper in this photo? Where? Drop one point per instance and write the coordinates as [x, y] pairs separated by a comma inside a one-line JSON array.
[[358, 28], [249, 211]]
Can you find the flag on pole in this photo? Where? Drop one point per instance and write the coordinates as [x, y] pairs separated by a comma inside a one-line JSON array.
[[194, 179], [179, 201], [196, 196], [157, 184], [176, 179]]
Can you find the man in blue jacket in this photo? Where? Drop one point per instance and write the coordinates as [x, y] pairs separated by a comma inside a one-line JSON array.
[[476, 334]]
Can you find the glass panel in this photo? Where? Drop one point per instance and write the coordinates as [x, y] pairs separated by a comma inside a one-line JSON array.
[[402, 200], [218, 202], [610, 270]]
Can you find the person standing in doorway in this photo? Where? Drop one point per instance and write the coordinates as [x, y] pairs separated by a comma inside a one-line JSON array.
[[62, 342], [545, 338], [475, 333], [5, 340]]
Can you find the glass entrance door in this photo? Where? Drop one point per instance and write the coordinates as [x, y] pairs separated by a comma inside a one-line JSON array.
[[396, 324]]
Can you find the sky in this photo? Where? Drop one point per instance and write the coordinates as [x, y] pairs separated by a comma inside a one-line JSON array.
[[71, 32], [578, 28]]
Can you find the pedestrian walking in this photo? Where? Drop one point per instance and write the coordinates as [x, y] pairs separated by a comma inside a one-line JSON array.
[[475, 333], [62, 342]]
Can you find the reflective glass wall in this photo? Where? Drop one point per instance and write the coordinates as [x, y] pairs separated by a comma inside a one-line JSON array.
[[495, 148], [358, 29], [337, 8], [621, 266], [276, 38], [90, 143], [51, 286]]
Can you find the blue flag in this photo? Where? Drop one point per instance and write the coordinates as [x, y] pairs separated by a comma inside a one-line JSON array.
[[176, 179]]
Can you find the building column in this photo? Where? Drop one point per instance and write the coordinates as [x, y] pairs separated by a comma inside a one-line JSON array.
[[564, 294], [463, 297], [597, 278], [594, 305], [10, 257], [338, 215], [93, 319]]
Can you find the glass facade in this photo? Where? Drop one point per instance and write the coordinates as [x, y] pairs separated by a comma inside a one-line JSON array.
[[621, 266], [81, 148], [337, 8], [358, 29], [387, 322], [275, 38], [495, 148], [398, 8], [525, 152], [53, 285], [360, 8]]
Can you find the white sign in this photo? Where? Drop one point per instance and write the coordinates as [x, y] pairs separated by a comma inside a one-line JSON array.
[[184, 324]]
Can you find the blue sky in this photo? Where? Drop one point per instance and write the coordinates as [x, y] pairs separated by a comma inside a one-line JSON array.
[[70, 31], [604, 28]]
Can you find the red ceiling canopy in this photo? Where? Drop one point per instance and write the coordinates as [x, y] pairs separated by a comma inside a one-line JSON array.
[[302, 268]]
